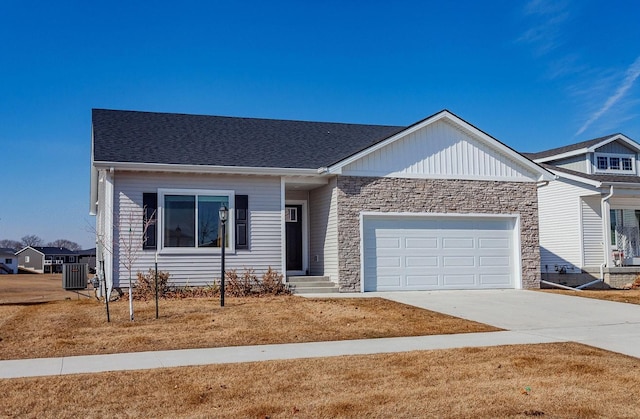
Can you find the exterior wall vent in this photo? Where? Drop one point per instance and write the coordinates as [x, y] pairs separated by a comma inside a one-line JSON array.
[[74, 276]]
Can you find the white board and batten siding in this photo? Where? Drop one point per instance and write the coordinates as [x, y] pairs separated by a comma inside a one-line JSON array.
[[439, 252], [560, 212], [440, 150], [198, 268], [592, 231], [323, 245]]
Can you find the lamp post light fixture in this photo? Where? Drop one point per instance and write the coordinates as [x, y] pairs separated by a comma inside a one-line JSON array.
[[223, 213]]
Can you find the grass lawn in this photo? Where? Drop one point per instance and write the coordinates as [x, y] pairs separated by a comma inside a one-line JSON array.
[[79, 327], [565, 380], [550, 380], [620, 296]]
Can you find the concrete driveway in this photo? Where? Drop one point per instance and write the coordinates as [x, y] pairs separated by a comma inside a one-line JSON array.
[[603, 324]]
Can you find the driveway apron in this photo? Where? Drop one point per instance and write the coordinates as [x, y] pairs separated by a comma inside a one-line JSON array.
[[603, 324]]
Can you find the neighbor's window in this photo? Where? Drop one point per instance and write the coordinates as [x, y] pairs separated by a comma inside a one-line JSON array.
[[191, 220], [27, 259], [603, 163], [610, 163], [8, 261]]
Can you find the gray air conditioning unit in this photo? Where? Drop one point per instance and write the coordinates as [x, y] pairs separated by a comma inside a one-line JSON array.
[[74, 276]]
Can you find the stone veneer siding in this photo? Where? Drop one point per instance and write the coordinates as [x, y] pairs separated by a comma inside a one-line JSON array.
[[357, 194]]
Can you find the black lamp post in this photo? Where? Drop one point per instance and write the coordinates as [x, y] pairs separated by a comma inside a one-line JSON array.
[[223, 213]]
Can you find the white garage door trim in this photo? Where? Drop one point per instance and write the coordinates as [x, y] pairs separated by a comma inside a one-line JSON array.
[[515, 236]]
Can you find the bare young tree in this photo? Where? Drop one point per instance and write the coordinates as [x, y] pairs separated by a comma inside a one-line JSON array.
[[11, 244], [67, 244], [31, 240]]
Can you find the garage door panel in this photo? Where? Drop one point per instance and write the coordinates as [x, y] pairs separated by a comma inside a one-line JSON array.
[[421, 243], [448, 253], [495, 279], [422, 280], [499, 261], [421, 261], [502, 243], [458, 261], [459, 280]]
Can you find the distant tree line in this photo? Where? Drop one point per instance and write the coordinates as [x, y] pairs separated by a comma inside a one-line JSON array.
[[33, 240]]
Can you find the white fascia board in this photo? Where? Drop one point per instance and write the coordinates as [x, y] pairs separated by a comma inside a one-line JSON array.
[[616, 137], [543, 174], [193, 168], [563, 155], [29, 247], [575, 178]]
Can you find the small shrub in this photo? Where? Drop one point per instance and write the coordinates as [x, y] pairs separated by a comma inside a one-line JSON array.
[[145, 288], [272, 283], [243, 286]]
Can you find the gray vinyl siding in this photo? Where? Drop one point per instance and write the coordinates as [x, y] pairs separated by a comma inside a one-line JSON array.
[[577, 163], [592, 230], [36, 260], [559, 206], [323, 247], [197, 268], [615, 147]]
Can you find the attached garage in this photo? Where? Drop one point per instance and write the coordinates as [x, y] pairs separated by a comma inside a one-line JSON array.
[[439, 252]]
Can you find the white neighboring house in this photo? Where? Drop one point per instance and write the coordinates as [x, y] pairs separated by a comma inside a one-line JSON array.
[[590, 216], [438, 204], [8, 261]]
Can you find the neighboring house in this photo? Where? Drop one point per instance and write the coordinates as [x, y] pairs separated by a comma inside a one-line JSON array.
[[45, 259], [8, 261], [436, 205], [590, 216], [87, 256]]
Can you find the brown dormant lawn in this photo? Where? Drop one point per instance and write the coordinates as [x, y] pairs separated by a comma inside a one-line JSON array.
[[620, 296], [553, 380], [79, 327]]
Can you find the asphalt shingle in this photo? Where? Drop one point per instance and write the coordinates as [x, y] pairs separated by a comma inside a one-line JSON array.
[[168, 138]]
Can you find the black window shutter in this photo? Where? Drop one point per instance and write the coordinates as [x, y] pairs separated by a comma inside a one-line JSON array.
[[150, 205], [242, 219]]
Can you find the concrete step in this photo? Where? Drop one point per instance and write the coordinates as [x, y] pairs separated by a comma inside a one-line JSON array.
[[311, 285]]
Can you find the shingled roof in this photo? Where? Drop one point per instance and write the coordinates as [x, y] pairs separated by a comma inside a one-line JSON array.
[[567, 148], [168, 138], [604, 177]]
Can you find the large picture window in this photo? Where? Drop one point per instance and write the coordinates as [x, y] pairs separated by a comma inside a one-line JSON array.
[[190, 218]]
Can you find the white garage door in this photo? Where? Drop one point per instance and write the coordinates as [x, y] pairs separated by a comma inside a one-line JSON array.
[[415, 253]]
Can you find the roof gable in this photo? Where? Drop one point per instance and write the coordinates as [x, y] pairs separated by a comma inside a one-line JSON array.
[[582, 148], [442, 146]]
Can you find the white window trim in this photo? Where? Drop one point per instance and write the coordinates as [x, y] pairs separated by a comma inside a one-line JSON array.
[[196, 250], [631, 157]]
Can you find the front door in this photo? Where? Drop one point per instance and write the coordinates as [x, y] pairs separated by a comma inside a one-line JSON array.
[[293, 222]]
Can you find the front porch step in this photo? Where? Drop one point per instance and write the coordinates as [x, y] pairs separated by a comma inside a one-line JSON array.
[[311, 285]]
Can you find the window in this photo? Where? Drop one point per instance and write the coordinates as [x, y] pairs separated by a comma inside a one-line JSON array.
[[613, 222], [150, 207], [27, 259], [614, 163], [603, 163], [291, 215], [189, 219], [8, 261]]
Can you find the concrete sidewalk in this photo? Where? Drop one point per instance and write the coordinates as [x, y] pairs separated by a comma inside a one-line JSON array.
[[227, 355], [529, 317]]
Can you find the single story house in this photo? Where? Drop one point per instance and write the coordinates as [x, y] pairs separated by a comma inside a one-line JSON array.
[[8, 261], [438, 204], [45, 259], [590, 216]]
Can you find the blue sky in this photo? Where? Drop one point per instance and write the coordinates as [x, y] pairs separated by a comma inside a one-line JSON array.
[[534, 74]]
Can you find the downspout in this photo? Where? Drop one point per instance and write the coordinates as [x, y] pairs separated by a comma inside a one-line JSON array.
[[605, 228]]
